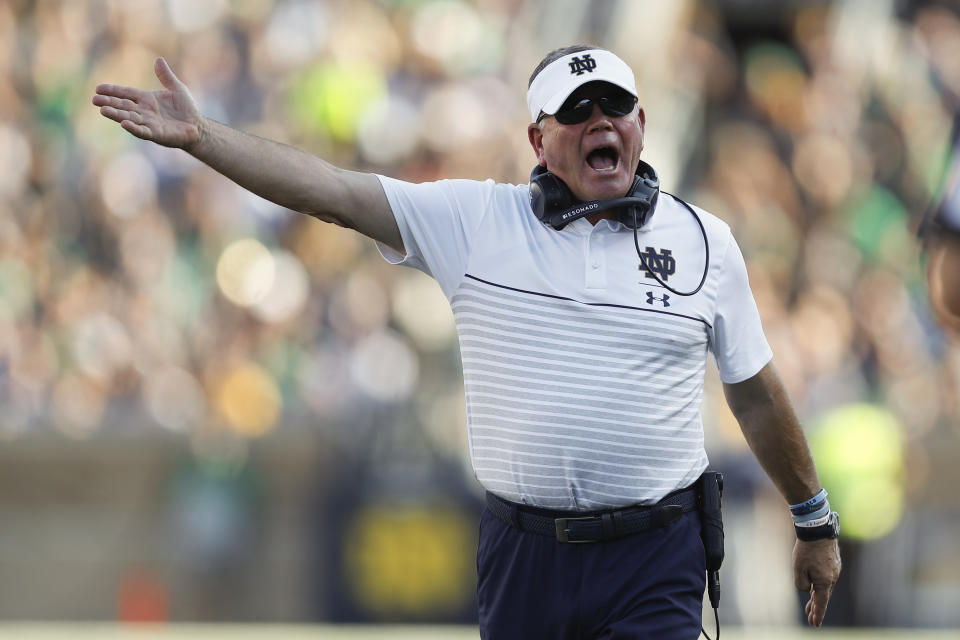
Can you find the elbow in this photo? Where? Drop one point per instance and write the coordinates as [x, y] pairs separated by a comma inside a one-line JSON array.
[[331, 217], [329, 199]]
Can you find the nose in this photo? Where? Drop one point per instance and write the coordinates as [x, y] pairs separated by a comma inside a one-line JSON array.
[[598, 123]]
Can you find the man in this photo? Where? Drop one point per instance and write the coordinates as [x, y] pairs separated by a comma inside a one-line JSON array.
[[583, 365], [943, 270]]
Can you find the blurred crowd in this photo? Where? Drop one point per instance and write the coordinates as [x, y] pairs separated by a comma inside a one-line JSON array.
[[141, 291]]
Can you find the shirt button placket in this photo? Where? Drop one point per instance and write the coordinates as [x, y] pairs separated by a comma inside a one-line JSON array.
[[596, 263]]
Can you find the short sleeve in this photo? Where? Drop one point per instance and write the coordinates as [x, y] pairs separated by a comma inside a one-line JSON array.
[[737, 338], [437, 221]]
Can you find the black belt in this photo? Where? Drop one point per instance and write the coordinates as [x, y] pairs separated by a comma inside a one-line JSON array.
[[597, 526]]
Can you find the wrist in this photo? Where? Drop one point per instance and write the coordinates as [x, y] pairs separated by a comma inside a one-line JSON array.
[[203, 130], [809, 505], [814, 520], [827, 528]]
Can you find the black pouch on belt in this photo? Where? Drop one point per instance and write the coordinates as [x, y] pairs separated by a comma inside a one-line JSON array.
[[711, 530]]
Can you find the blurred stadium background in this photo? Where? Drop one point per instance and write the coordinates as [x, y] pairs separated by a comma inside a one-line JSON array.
[[213, 409]]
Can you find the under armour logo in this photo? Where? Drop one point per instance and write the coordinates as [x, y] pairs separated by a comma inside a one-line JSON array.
[[579, 64], [663, 263], [665, 298]]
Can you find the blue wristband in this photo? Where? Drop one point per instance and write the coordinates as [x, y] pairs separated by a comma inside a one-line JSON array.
[[814, 515], [811, 505]]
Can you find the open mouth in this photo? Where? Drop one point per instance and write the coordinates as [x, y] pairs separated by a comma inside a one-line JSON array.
[[603, 159]]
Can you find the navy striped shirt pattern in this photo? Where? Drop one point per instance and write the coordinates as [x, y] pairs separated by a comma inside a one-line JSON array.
[[563, 414]]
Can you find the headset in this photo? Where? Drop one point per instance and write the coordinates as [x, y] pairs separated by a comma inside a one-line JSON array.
[[554, 204]]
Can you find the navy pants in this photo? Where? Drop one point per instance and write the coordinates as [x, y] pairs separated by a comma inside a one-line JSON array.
[[646, 585]]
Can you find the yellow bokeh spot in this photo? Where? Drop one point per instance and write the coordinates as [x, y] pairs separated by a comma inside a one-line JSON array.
[[336, 97], [859, 456], [249, 399], [414, 561]]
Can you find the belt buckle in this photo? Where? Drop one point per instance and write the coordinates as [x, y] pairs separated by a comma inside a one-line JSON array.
[[563, 532]]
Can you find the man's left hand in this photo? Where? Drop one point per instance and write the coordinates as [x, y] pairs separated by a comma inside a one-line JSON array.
[[816, 568]]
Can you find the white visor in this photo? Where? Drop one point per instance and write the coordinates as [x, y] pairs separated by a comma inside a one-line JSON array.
[[560, 78]]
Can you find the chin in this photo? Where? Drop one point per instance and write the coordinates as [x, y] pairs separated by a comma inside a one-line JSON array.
[[607, 190]]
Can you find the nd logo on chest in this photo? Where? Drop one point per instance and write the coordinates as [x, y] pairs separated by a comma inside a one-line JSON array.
[[664, 265]]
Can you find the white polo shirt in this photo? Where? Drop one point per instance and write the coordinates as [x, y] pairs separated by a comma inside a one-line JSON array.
[[583, 376]]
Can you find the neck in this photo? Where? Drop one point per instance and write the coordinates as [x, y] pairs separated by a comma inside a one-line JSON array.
[[594, 218]]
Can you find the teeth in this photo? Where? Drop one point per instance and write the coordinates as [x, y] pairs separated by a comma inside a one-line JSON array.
[[608, 169], [599, 158]]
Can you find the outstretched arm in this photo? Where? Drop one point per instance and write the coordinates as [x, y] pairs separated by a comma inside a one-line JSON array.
[[283, 174], [773, 432]]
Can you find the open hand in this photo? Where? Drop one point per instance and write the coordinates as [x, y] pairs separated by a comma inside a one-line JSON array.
[[168, 117], [816, 568]]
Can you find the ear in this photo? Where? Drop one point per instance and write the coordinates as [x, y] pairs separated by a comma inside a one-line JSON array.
[[642, 117], [535, 135]]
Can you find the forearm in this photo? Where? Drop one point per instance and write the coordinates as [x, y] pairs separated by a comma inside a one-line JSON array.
[[773, 432], [297, 180]]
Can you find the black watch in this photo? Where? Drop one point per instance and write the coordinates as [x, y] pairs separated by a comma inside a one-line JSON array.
[[828, 531]]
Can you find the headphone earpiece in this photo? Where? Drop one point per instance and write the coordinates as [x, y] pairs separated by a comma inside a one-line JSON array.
[[548, 193], [554, 204]]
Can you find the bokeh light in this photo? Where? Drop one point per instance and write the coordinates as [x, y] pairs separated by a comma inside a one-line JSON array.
[[101, 346], [16, 288], [295, 32], [128, 184], [859, 455], [15, 160], [175, 398], [389, 130], [288, 292], [423, 312], [454, 34], [384, 367], [360, 305], [246, 272], [248, 398], [188, 16], [334, 98], [77, 405]]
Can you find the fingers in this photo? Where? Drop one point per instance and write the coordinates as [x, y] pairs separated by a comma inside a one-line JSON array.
[[117, 103], [816, 607], [138, 130], [816, 569], [808, 609], [819, 597], [119, 115], [130, 120], [165, 74], [119, 91]]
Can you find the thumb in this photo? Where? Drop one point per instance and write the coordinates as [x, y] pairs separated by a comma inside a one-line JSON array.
[[165, 75]]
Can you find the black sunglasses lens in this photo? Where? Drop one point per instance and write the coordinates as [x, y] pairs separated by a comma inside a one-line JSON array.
[[615, 105], [575, 113], [618, 105]]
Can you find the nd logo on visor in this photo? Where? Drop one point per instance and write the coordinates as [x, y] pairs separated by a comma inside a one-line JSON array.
[[579, 64]]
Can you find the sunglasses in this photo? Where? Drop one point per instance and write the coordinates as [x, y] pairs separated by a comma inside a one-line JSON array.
[[577, 110]]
